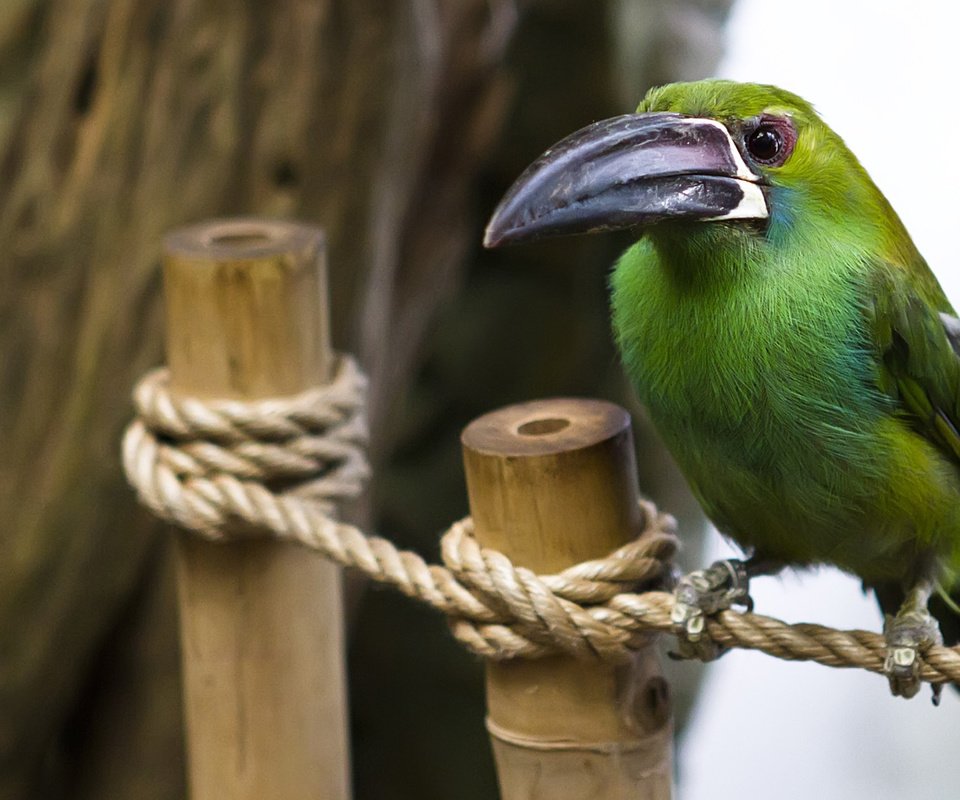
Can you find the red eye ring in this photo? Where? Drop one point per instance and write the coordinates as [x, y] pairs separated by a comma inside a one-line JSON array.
[[771, 141]]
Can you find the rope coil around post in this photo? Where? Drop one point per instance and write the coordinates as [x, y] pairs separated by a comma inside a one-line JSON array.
[[230, 469]]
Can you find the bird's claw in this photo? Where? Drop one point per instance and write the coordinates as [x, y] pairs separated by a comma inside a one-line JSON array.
[[704, 592], [908, 636], [690, 624]]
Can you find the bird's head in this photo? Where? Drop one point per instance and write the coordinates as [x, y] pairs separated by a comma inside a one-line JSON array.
[[745, 155]]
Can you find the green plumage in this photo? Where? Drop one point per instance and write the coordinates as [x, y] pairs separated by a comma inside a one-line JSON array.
[[799, 369]]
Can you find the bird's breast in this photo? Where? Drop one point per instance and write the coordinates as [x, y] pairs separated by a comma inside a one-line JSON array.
[[766, 394], [758, 370]]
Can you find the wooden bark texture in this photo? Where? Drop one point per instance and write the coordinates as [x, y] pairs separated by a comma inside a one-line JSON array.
[[120, 119]]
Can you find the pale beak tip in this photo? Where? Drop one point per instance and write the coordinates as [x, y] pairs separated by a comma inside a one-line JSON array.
[[496, 233]]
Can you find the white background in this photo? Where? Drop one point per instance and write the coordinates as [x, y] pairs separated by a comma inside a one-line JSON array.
[[886, 76]]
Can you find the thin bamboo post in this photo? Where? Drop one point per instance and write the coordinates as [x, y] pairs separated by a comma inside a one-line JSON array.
[[553, 483], [261, 621]]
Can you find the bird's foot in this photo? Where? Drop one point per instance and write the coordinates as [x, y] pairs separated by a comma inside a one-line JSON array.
[[705, 592], [908, 636]]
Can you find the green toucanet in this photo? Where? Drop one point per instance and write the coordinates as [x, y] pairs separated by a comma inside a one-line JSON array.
[[792, 346]]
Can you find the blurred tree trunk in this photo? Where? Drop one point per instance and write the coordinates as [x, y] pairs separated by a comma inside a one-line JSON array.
[[120, 119]]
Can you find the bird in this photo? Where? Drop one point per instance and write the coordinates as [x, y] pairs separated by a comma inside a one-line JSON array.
[[791, 345]]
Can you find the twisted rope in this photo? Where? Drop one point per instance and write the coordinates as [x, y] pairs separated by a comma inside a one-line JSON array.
[[276, 467]]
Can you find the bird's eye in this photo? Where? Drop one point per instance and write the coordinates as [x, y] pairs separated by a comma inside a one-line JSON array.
[[770, 140], [765, 143]]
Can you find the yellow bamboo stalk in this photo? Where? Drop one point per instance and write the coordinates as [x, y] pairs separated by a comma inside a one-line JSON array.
[[261, 621], [553, 483]]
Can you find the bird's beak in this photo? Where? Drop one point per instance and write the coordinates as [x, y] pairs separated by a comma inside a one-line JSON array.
[[631, 170]]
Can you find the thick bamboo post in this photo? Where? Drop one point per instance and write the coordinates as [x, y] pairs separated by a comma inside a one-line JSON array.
[[261, 621], [553, 483]]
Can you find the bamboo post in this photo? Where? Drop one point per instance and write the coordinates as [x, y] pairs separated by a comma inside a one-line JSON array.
[[553, 483], [261, 621]]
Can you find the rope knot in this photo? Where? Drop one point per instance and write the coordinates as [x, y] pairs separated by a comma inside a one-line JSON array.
[[212, 465], [529, 615]]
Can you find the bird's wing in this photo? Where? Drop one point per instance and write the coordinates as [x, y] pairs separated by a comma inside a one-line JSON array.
[[917, 337]]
